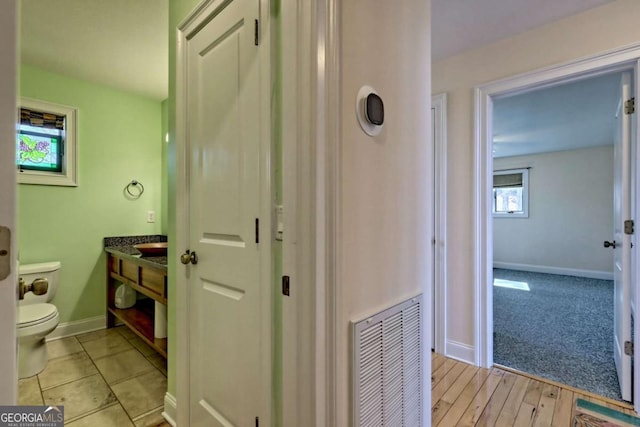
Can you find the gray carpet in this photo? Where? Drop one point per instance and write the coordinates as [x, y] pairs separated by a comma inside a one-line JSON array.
[[561, 329]]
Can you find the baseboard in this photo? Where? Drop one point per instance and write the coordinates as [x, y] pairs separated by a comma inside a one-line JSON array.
[[68, 329], [170, 409], [459, 351], [592, 274]]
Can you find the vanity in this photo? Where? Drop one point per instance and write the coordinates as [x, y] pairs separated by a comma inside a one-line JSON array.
[[147, 276]]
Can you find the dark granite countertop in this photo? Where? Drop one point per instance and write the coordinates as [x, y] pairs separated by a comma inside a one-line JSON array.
[[123, 247]]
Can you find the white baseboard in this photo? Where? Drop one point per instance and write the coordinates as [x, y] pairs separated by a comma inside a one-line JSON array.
[[592, 274], [170, 409], [68, 329], [459, 351]]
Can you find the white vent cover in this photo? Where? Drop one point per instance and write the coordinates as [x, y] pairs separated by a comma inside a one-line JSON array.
[[387, 366]]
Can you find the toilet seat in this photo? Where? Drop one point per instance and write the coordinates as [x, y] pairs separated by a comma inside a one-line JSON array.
[[32, 314]]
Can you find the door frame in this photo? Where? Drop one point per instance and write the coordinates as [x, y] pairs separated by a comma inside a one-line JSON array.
[[627, 57], [439, 104], [311, 163], [8, 206], [204, 12]]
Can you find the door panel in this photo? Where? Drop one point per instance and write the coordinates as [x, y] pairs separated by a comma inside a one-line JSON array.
[[8, 206], [622, 251], [226, 345]]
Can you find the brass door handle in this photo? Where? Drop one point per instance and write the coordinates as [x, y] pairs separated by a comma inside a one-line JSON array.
[[608, 244], [39, 286], [189, 257]]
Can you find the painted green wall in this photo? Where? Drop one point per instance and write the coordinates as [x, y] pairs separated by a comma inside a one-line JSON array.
[[119, 139]]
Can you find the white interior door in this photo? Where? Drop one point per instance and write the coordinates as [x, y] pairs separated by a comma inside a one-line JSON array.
[[228, 346], [8, 275], [622, 240]]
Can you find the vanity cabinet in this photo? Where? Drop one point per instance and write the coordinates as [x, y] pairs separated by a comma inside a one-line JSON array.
[[145, 277]]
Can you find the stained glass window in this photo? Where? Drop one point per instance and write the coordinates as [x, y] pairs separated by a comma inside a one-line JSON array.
[[46, 143], [39, 148]]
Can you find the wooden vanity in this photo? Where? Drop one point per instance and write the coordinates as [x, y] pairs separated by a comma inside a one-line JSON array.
[[145, 275]]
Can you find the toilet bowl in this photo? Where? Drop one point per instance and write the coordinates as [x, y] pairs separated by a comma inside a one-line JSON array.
[[37, 318]]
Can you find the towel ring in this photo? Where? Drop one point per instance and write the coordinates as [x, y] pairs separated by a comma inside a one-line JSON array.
[[139, 189]]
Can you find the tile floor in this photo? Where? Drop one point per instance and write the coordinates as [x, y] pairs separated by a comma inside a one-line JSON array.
[[104, 378]]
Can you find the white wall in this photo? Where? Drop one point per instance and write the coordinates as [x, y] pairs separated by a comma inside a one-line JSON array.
[[8, 288], [588, 33], [570, 212], [383, 214]]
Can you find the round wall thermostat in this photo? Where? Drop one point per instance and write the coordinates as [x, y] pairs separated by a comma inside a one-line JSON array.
[[370, 110]]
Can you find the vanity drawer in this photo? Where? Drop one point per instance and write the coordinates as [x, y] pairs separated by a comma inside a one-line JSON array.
[[154, 280], [129, 270], [146, 279]]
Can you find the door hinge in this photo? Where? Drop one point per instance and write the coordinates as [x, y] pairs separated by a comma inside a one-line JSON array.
[[257, 230], [628, 348], [286, 289], [5, 254], [256, 32], [628, 226], [630, 106]]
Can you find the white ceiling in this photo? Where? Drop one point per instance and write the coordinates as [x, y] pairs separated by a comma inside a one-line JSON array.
[[574, 115], [459, 25], [119, 43]]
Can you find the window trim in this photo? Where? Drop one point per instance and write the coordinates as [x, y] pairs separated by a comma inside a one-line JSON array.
[[69, 175], [525, 194]]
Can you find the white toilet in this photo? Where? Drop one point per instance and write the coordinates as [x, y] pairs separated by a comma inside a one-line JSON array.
[[36, 318]]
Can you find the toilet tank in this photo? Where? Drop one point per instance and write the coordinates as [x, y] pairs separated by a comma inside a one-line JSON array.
[[31, 272]]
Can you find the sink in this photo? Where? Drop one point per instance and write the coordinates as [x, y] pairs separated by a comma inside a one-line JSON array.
[[152, 249]]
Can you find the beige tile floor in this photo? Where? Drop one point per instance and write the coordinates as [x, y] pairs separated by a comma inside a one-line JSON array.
[[104, 378]]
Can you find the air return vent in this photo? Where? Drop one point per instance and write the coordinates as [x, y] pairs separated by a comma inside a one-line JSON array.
[[388, 361]]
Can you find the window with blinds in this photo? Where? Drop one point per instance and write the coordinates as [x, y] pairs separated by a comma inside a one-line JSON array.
[[511, 193], [46, 143]]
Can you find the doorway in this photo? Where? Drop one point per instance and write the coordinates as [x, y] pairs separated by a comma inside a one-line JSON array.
[[552, 203], [624, 59]]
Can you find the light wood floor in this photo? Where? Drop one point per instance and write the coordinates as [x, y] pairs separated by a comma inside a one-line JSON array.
[[464, 395]]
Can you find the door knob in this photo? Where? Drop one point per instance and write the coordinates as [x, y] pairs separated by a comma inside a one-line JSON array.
[[608, 244], [39, 286], [189, 257]]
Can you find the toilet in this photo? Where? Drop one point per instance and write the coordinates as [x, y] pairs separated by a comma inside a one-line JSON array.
[[36, 318]]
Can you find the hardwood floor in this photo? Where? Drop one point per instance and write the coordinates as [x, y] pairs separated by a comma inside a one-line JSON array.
[[465, 395]]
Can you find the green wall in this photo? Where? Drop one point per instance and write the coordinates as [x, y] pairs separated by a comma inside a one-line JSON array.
[[119, 139]]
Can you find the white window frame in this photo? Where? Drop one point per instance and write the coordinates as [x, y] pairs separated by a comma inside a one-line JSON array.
[[525, 194], [69, 175]]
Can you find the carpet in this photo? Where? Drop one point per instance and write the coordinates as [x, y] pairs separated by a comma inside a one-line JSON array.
[[556, 327], [590, 414]]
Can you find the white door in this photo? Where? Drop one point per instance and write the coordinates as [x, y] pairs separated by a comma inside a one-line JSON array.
[[622, 240], [8, 276], [228, 347]]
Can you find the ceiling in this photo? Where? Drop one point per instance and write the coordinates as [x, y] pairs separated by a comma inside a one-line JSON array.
[[574, 115], [459, 25], [124, 43], [118, 43]]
